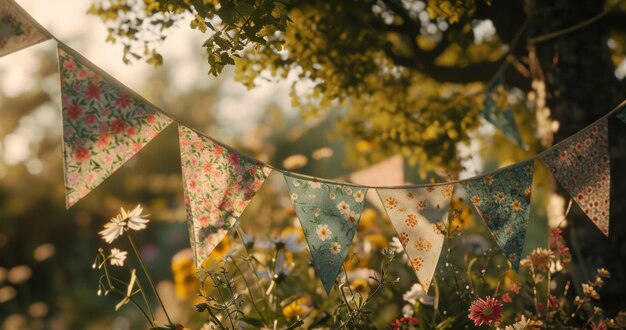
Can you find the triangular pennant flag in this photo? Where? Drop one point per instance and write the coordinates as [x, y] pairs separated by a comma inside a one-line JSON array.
[[418, 215], [218, 185], [622, 115], [329, 215], [103, 126], [502, 119], [17, 29], [582, 167], [503, 201], [389, 172]]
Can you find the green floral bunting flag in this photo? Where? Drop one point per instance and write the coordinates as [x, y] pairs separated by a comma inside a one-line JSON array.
[[103, 126], [418, 215], [582, 167], [503, 201], [329, 215], [218, 185], [17, 30]]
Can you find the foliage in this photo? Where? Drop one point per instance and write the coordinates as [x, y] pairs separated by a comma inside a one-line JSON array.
[[382, 60]]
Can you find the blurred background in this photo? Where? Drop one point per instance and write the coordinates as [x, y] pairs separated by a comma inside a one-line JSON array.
[[46, 252]]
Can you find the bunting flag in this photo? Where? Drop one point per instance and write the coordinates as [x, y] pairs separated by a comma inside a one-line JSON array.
[[17, 30], [329, 215], [218, 185], [502, 119], [418, 215], [582, 166], [103, 126], [622, 115], [389, 172], [503, 201]]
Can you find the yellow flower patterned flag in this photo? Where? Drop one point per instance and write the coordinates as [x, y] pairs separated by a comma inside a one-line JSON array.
[[418, 215]]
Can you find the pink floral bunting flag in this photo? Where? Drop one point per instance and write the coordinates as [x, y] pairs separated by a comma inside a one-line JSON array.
[[218, 185], [103, 126], [17, 30], [582, 167], [418, 215]]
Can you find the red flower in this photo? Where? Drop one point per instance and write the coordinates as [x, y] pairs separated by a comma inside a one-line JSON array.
[[131, 131], [485, 311], [123, 101], [91, 119], [118, 126], [82, 154], [150, 119], [233, 159], [553, 301], [515, 287], [69, 65], [93, 92], [506, 298], [404, 323], [74, 111]]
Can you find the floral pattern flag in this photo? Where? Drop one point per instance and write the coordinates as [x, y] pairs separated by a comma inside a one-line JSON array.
[[17, 30], [218, 185], [502, 118], [329, 215], [103, 126], [582, 167], [419, 216], [503, 201]]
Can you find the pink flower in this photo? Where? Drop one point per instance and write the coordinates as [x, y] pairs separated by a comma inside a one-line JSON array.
[[81, 154], [123, 101], [82, 74], [92, 92], [515, 287], [74, 112], [506, 298], [69, 65], [118, 126], [150, 119], [131, 131], [485, 311]]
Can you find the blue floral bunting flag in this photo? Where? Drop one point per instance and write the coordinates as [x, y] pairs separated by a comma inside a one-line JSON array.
[[418, 215], [582, 167], [218, 185], [502, 119], [503, 201], [17, 29], [329, 215], [103, 126]]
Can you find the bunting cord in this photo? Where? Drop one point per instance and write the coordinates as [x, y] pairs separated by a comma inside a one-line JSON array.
[[106, 75]]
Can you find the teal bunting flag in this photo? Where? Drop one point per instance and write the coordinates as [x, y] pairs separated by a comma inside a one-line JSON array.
[[329, 215], [582, 167], [502, 119], [503, 201]]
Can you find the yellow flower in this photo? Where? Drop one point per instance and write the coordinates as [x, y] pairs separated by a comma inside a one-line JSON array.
[[299, 307], [183, 268], [218, 253], [378, 240], [368, 220], [464, 218], [359, 285]]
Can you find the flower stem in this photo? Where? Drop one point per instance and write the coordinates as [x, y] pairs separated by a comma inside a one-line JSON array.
[[145, 270]]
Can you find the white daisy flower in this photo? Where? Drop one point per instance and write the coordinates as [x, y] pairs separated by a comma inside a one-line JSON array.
[[113, 229], [136, 220], [344, 207], [332, 196], [294, 196], [323, 232], [117, 257], [358, 196], [335, 248]]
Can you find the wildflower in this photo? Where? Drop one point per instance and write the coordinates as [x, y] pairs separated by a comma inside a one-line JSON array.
[[590, 291], [123, 221], [359, 285], [368, 220], [506, 298], [541, 258], [417, 293], [117, 257], [515, 287], [323, 232], [406, 322], [485, 311], [603, 273], [299, 307], [283, 269], [183, 268], [396, 245], [553, 301]]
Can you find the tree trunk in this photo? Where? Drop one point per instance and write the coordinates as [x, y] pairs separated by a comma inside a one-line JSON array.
[[581, 87]]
